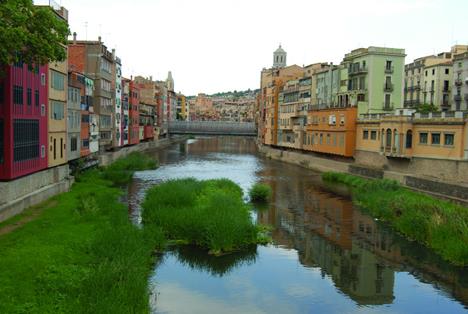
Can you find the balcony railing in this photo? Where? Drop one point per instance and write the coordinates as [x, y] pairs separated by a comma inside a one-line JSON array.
[[457, 98], [389, 70], [388, 87], [458, 82], [387, 106], [357, 70]]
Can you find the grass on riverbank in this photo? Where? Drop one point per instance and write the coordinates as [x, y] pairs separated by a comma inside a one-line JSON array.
[[210, 214], [121, 171], [260, 193], [440, 225], [81, 255]]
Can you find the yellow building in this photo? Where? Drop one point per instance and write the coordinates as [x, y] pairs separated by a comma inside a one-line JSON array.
[[57, 108], [441, 136]]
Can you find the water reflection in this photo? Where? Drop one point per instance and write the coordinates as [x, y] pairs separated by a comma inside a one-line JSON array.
[[327, 255], [200, 260]]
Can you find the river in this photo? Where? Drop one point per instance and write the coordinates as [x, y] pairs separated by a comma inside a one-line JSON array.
[[326, 256]]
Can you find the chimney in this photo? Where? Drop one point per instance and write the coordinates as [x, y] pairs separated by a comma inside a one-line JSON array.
[[74, 38], [113, 53], [99, 38], [151, 78]]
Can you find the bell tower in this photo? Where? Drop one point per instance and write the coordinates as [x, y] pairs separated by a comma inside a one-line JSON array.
[[279, 58]]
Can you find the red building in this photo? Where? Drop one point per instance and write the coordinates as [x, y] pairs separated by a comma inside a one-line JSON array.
[[23, 120], [133, 113], [78, 80]]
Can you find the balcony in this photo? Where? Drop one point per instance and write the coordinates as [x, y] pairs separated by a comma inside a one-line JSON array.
[[357, 70], [457, 98], [388, 87], [389, 70], [387, 106], [417, 87], [458, 82]]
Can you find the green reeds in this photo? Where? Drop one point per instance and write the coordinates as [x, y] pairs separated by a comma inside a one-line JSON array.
[[210, 214], [121, 171], [438, 224]]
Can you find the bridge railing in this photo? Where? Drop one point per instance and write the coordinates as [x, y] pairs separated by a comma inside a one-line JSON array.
[[212, 127]]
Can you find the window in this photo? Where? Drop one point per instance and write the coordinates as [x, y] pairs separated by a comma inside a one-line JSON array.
[[85, 143], [425, 73], [1, 141], [73, 144], [423, 138], [447, 71], [341, 140], [433, 71], [105, 65], [58, 80], [365, 134], [29, 97], [2, 93], [409, 139], [17, 95], [106, 85], [373, 135], [43, 79], [85, 118], [25, 139], [328, 139], [449, 139], [321, 138], [57, 112], [388, 65], [435, 138], [36, 98]]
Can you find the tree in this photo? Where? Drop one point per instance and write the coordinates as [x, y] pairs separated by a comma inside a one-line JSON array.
[[32, 34], [426, 108]]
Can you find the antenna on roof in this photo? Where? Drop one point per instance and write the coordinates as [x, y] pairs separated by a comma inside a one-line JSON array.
[[86, 30]]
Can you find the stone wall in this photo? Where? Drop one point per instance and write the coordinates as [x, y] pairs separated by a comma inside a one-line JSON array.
[[445, 178], [30, 190], [439, 169], [304, 160]]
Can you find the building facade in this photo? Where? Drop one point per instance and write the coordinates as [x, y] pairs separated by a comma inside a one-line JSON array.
[[94, 60], [117, 130], [23, 120], [460, 82], [74, 117]]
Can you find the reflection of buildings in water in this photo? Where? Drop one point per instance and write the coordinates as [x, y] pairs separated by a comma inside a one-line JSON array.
[[320, 226]]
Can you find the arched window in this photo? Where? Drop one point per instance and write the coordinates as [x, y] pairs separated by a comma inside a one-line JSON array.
[[409, 139], [388, 139]]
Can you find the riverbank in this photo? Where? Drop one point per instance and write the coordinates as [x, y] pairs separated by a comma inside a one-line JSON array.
[[437, 224], [31, 190], [435, 186], [79, 254]]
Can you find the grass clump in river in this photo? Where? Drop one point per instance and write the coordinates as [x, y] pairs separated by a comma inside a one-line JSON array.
[[80, 255], [121, 171], [210, 214], [260, 192], [438, 224]]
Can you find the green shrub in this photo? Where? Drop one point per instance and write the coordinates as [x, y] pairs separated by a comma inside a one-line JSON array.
[[260, 192], [440, 225]]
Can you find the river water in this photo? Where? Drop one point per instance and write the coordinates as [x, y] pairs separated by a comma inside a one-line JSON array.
[[326, 257]]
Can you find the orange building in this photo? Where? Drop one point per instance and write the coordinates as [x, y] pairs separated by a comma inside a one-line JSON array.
[[272, 81], [331, 131]]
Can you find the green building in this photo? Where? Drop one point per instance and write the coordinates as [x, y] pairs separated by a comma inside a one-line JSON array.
[[374, 79]]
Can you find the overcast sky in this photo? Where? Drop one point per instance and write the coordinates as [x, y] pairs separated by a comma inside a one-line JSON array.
[[222, 45]]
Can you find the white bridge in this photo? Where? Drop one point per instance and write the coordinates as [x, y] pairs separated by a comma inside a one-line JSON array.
[[212, 128]]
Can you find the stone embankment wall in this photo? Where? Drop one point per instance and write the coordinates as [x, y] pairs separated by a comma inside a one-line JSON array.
[[19, 194], [444, 178]]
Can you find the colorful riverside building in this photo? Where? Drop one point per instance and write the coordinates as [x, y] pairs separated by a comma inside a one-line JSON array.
[[460, 82], [133, 111], [58, 109], [374, 78], [271, 84], [23, 120], [94, 60], [84, 86], [429, 79], [117, 91]]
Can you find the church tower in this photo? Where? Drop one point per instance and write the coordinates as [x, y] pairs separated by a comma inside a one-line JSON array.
[[170, 81], [279, 58]]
